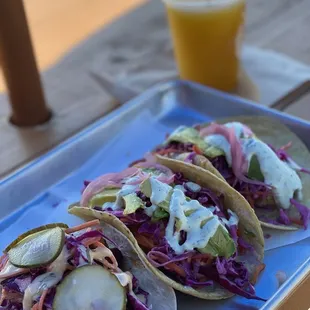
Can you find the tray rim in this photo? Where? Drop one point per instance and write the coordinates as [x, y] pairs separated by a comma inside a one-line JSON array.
[[130, 104], [292, 281]]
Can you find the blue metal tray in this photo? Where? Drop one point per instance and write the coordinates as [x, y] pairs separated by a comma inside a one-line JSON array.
[[39, 192]]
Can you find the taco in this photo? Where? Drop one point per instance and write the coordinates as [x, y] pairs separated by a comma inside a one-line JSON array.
[[190, 228], [78, 268], [259, 157]]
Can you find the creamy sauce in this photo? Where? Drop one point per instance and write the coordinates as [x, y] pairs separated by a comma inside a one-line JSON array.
[[124, 278], [220, 142], [200, 225], [180, 187], [150, 210], [83, 258], [127, 189], [46, 280], [119, 202], [214, 208], [110, 205], [233, 219], [285, 182], [160, 191], [239, 129], [9, 270], [193, 187]]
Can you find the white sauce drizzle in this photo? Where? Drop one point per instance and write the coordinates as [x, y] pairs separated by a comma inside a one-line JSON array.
[[233, 219], [46, 280], [221, 143], [9, 270], [285, 182], [200, 225], [160, 191]]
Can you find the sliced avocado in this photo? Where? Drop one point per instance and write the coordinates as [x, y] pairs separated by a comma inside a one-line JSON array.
[[38, 249], [152, 171], [32, 231], [189, 212], [177, 224], [191, 135], [88, 288], [107, 195], [204, 222], [254, 171], [132, 203], [166, 203], [220, 244], [212, 151], [159, 214], [146, 188], [185, 135]]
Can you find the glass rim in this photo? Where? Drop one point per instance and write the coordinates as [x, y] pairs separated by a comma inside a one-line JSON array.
[[201, 3]]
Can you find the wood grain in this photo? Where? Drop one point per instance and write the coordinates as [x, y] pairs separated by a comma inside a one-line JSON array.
[[280, 25], [20, 68], [58, 25]]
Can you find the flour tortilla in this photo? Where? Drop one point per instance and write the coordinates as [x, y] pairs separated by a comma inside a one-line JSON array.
[[249, 227], [161, 296]]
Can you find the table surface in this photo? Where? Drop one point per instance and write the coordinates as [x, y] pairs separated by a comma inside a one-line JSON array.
[[56, 26]]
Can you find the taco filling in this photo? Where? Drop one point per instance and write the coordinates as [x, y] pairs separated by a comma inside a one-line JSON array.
[[267, 177], [56, 267], [181, 226]]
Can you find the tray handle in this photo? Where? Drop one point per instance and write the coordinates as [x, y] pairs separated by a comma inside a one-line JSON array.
[[292, 96]]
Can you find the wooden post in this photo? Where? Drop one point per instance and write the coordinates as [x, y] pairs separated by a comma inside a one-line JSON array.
[[19, 66]]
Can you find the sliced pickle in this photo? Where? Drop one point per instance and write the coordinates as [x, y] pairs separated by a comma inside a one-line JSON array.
[[38, 249], [88, 288], [32, 231]]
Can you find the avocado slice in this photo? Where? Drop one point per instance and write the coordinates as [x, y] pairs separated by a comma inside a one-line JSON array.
[[185, 135], [220, 244], [146, 188], [159, 214], [191, 135], [107, 195], [38, 249], [90, 287], [132, 203], [254, 171], [151, 187]]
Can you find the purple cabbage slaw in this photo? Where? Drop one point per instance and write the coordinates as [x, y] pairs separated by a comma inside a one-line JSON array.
[[161, 255], [15, 287], [254, 193]]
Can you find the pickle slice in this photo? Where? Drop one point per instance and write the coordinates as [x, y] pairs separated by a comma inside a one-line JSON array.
[[90, 287], [38, 249], [32, 231]]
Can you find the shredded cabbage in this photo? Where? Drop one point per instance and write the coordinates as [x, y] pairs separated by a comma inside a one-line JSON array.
[[258, 195], [303, 211]]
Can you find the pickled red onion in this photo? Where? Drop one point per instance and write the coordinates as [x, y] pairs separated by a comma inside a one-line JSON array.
[[104, 181], [239, 162], [166, 176]]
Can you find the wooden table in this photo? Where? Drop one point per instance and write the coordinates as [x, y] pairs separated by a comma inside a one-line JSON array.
[[282, 25]]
